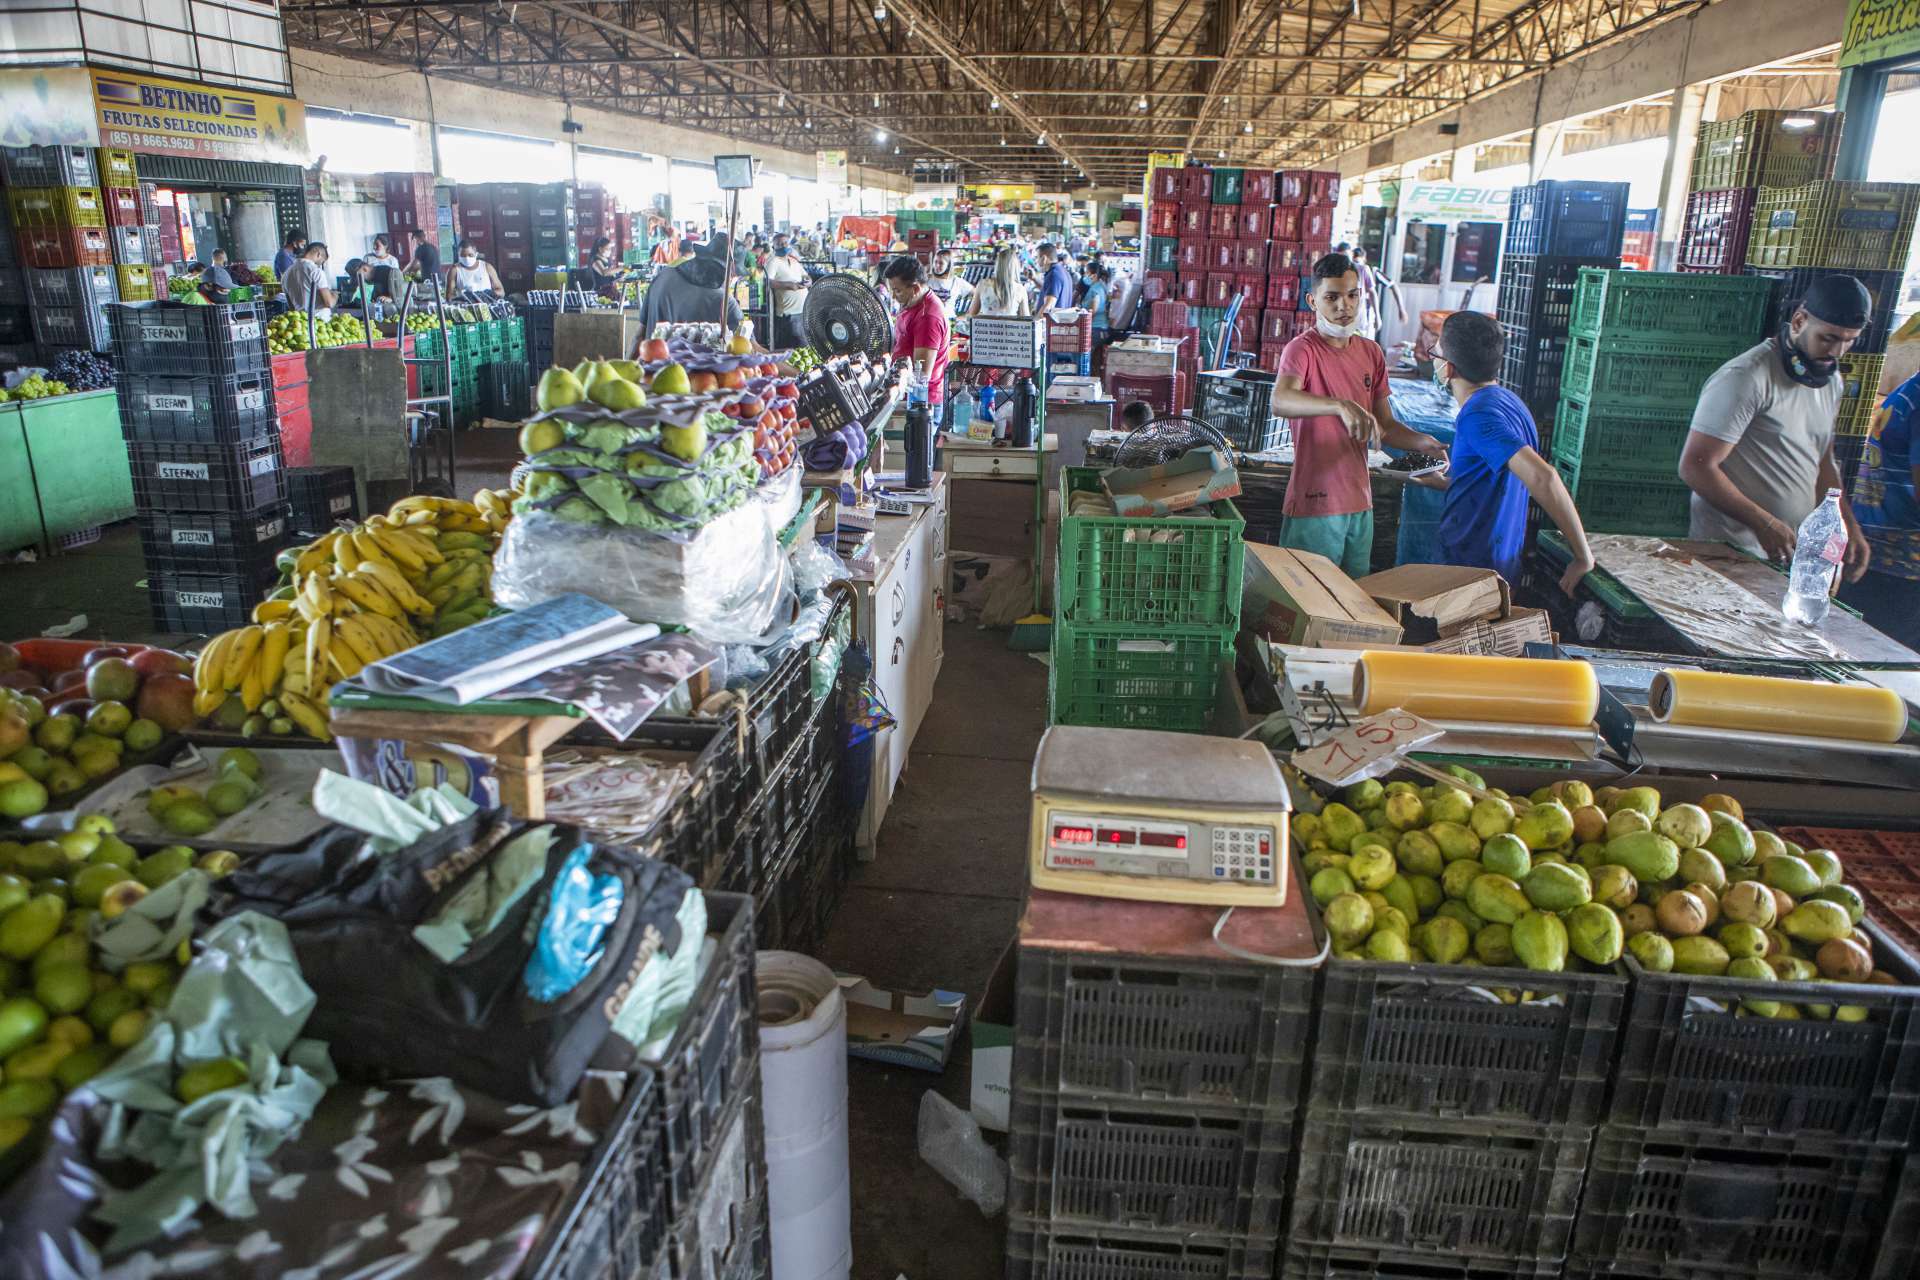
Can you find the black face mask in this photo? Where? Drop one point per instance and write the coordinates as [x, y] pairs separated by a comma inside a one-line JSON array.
[[1800, 366]]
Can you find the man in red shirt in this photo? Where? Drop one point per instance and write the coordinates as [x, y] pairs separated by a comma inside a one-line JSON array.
[[920, 331], [1333, 384]]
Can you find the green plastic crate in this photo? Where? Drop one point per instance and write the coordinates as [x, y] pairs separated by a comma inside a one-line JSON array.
[[1613, 503], [1665, 374], [1636, 441], [1766, 148], [1658, 305], [1181, 571], [1138, 677], [1227, 184], [1867, 226]]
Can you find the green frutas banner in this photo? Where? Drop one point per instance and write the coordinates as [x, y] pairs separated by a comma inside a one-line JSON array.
[[1879, 29]]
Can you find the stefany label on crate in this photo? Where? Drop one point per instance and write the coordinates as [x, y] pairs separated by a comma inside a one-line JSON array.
[[193, 537], [200, 599], [181, 470], [170, 404]]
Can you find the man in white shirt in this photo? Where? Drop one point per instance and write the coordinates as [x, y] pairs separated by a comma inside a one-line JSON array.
[[788, 281], [305, 284]]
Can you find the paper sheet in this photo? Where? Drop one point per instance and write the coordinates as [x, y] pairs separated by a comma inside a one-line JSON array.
[[1714, 611]]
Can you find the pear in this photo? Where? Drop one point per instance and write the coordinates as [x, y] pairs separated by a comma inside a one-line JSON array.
[[558, 389], [611, 391], [628, 369], [672, 381], [685, 443]]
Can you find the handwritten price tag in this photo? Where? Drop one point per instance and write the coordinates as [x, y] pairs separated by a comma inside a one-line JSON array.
[[1365, 748]]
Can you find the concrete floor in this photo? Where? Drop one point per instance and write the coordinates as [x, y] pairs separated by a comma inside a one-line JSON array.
[[937, 907]]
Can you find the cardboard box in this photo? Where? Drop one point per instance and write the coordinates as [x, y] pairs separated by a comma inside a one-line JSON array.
[[917, 1031], [1297, 597], [1199, 476], [991, 1065], [1505, 637], [1432, 601]]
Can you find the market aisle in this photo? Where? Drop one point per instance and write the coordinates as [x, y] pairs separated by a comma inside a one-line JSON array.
[[936, 908]]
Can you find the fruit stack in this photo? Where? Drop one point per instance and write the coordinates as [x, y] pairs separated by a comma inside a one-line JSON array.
[[197, 409], [1641, 345], [1214, 233], [1568, 226]]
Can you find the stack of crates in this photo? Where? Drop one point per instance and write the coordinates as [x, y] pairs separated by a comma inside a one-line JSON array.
[[594, 209], [1070, 344], [1732, 160], [1446, 1131], [1554, 231], [59, 218], [554, 224], [1642, 345], [1742, 1141], [410, 207], [1238, 403], [209, 485], [135, 245], [499, 218], [1154, 1114], [69, 307], [1146, 611], [469, 353], [1214, 233], [506, 391], [16, 316]]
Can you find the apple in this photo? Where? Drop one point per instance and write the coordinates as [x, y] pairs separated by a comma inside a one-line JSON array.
[[167, 700], [100, 651], [69, 679], [702, 381], [732, 380], [655, 349], [160, 662]]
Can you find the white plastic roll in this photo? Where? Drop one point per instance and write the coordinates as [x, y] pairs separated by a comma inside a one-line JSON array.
[[803, 1084]]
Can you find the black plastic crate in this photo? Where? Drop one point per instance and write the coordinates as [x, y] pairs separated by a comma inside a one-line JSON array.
[[505, 392], [779, 904], [1530, 368], [1789, 286], [200, 341], [722, 1231], [1150, 1029], [244, 545], [321, 497], [208, 477], [699, 828], [1567, 219], [1536, 293], [1167, 1168], [1690, 1057], [1433, 1040], [614, 1221], [200, 604], [713, 1059], [1466, 1189], [156, 408], [1670, 1205], [829, 403], [1306, 1260], [1238, 404], [1040, 1250]]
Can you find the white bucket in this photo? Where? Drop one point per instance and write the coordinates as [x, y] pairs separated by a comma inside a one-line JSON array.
[[803, 1083]]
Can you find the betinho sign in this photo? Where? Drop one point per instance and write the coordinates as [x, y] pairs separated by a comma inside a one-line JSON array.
[[173, 117], [1878, 29]]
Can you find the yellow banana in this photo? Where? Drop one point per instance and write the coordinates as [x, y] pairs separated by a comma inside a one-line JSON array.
[[399, 550], [396, 586], [273, 654], [421, 521], [272, 610], [319, 637], [341, 660], [251, 692], [207, 701], [208, 666], [359, 641], [443, 572], [368, 549], [237, 660], [314, 555], [308, 716], [363, 590], [292, 683], [395, 636], [425, 547], [319, 594]]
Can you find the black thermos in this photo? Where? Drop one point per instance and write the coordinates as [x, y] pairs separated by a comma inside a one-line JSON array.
[[1023, 400], [919, 447]]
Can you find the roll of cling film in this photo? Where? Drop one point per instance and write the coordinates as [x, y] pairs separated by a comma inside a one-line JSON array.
[[1451, 686], [1768, 704]]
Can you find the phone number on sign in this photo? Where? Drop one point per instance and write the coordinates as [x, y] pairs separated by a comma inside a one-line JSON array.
[[169, 142]]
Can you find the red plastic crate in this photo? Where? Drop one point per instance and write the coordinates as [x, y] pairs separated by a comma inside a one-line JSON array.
[[1276, 327], [1163, 220], [1193, 288], [1158, 286], [1283, 292], [1884, 866], [1161, 391], [1270, 353], [54, 247], [1223, 221], [1070, 337], [1323, 187], [296, 436], [482, 236], [1251, 286], [1166, 184], [1713, 236], [1193, 221], [123, 206], [1221, 254], [1246, 329], [1285, 224], [1193, 254], [1290, 187], [1256, 186], [1219, 289], [1252, 222], [1316, 224], [1168, 319], [1250, 256], [1287, 257], [1196, 183]]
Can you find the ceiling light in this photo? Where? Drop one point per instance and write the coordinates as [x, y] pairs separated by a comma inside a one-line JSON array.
[[994, 105], [876, 99], [1003, 142], [896, 151], [879, 135], [1798, 122], [1247, 127], [1042, 139], [879, 13], [1140, 105], [783, 99], [1223, 155]]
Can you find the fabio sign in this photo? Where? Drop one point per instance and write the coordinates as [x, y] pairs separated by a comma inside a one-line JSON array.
[[173, 117]]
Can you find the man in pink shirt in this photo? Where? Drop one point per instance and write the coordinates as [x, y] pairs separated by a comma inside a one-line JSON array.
[[1333, 384], [920, 331]]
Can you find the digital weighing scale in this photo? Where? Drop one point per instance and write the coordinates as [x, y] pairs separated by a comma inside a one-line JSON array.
[[1159, 817]]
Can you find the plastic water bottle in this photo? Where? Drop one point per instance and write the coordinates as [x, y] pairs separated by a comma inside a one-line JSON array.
[[917, 389], [1818, 553]]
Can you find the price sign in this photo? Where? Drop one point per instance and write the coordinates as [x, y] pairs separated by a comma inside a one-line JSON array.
[[1366, 748]]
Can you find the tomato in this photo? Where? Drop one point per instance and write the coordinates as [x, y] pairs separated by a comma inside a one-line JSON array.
[[789, 390]]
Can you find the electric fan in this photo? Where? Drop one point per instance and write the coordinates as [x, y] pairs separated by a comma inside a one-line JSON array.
[[843, 317], [1166, 438]]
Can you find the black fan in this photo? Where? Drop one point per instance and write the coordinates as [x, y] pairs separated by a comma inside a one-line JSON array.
[[1166, 438], [844, 317]]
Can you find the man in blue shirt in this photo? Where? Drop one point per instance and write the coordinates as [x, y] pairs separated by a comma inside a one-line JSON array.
[[1886, 503], [1496, 463], [296, 244], [1056, 287]]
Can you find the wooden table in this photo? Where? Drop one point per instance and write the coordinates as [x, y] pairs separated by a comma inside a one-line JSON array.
[[1852, 636]]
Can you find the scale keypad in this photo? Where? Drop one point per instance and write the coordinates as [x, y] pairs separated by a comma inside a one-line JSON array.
[[1243, 853]]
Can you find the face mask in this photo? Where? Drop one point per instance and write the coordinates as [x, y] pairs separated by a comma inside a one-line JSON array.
[[780, 251], [468, 260], [1800, 366], [1440, 379], [1328, 329]]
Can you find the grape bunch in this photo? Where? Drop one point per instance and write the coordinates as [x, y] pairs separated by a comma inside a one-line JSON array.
[[82, 370], [36, 388]]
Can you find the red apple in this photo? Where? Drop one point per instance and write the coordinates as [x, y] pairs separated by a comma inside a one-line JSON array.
[[70, 680], [789, 390], [655, 349], [100, 651], [733, 380], [702, 381], [160, 662], [167, 700], [768, 370], [72, 703]]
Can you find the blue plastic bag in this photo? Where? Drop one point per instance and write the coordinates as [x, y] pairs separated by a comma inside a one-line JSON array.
[[582, 906]]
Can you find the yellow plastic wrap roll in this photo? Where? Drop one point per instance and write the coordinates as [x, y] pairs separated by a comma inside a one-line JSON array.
[[1452, 686], [1768, 704]]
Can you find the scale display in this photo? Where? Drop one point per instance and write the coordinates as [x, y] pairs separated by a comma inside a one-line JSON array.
[[1144, 847]]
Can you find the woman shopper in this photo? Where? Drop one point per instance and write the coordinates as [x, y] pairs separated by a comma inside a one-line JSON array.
[[1002, 293]]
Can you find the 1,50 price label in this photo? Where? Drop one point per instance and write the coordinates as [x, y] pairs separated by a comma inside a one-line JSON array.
[[1365, 748]]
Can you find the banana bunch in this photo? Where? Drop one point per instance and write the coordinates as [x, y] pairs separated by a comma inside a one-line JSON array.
[[353, 596]]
